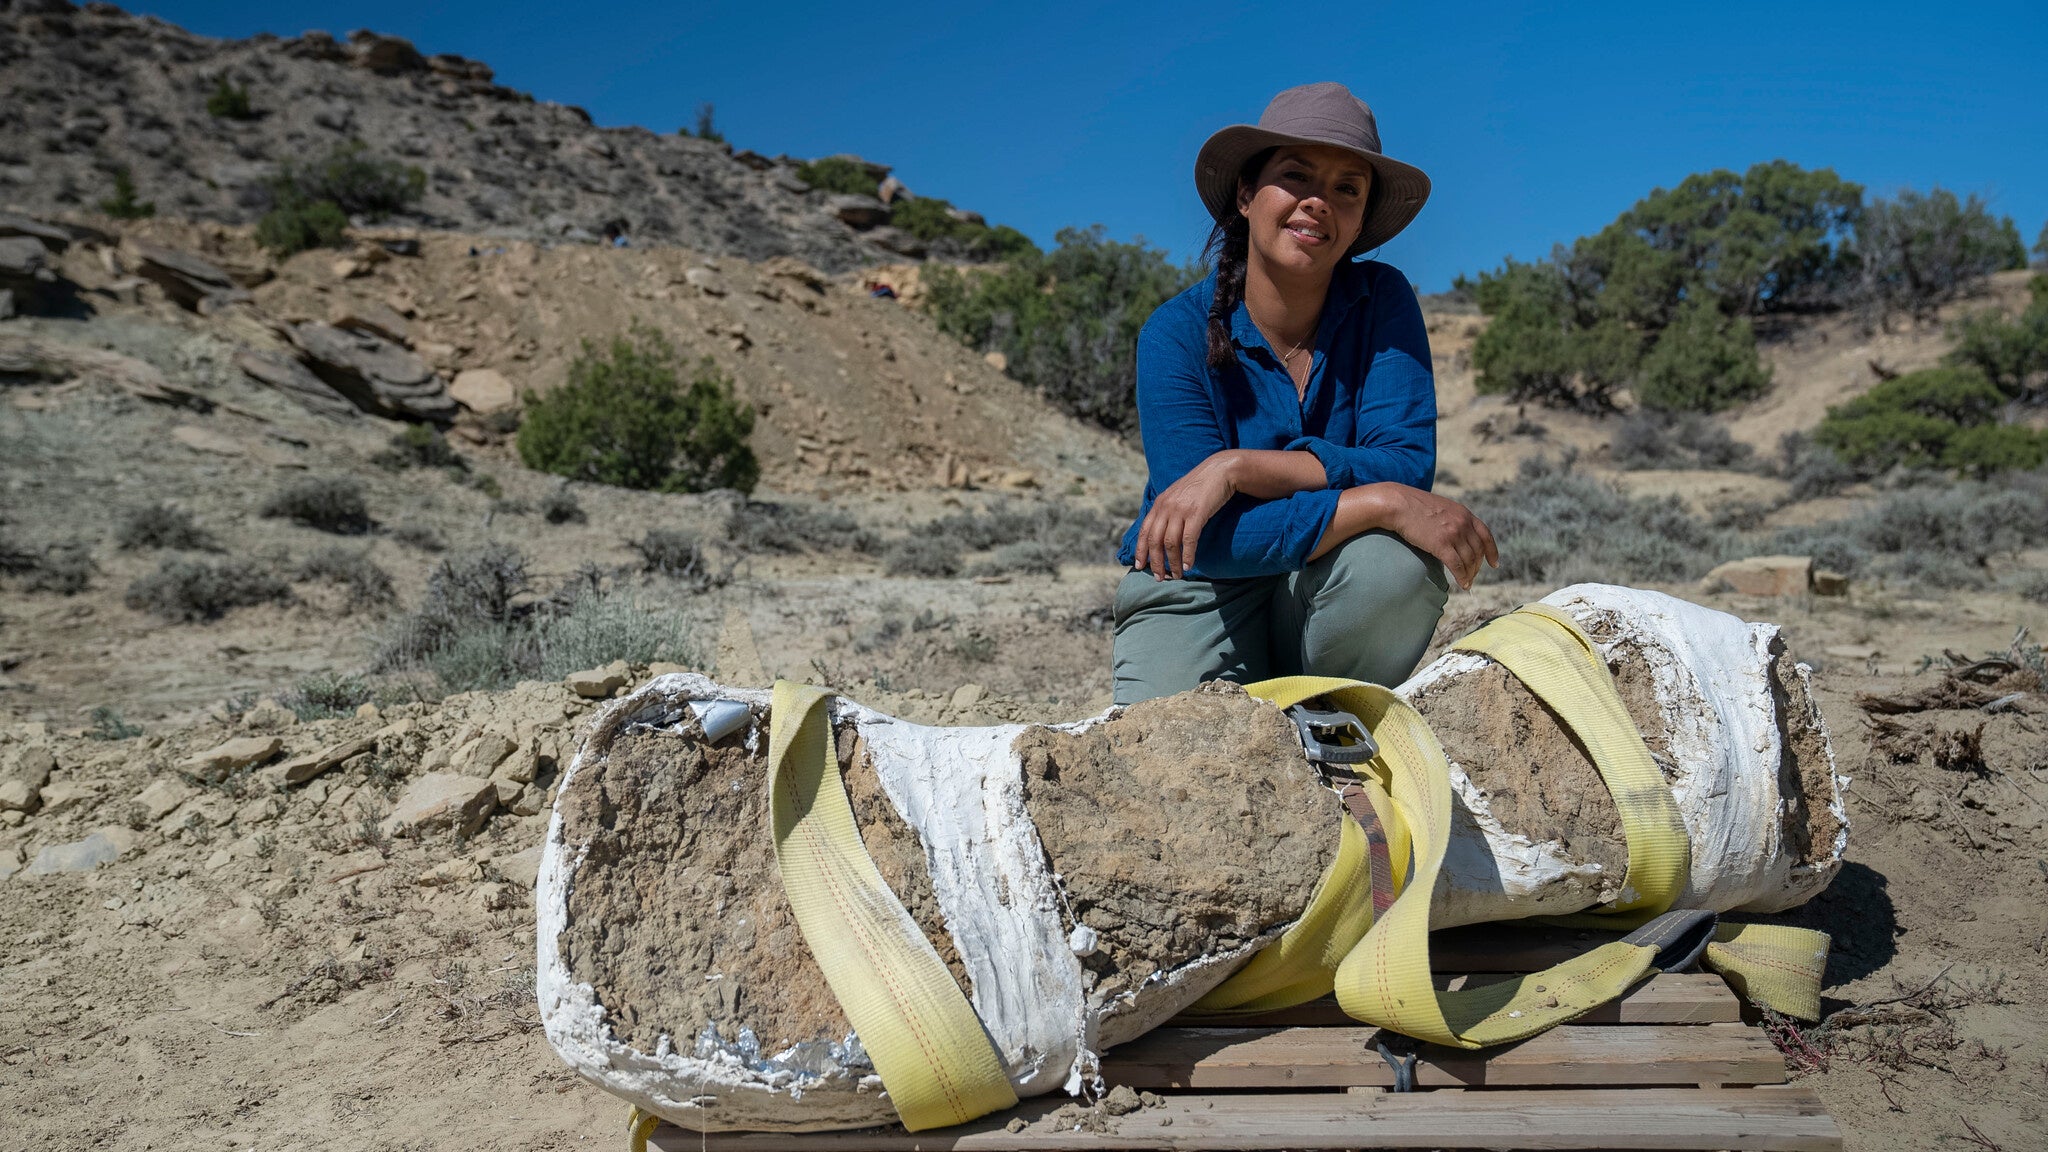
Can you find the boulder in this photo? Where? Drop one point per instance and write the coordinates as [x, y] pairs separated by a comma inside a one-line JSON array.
[[705, 280], [241, 752], [480, 756], [51, 237], [857, 211], [483, 390], [384, 55], [57, 360], [26, 275], [1764, 575], [893, 239], [376, 374], [443, 800], [893, 190], [375, 319], [185, 278], [296, 381]]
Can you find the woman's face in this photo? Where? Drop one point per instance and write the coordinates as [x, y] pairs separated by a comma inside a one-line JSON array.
[[1306, 207]]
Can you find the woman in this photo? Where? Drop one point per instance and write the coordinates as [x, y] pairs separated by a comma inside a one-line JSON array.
[[1289, 420]]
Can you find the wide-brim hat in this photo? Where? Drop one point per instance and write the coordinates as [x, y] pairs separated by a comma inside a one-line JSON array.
[[1325, 113]]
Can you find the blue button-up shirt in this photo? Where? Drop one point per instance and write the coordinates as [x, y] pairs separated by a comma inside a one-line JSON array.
[[1369, 413]]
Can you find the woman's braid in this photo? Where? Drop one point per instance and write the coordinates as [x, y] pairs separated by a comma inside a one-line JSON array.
[[1231, 243]]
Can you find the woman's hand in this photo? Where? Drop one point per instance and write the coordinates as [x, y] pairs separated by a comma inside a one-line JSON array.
[[1443, 528], [1173, 526]]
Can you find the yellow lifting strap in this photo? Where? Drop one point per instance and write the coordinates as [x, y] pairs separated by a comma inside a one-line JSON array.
[[1553, 659], [1380, 969], [934, 1057]]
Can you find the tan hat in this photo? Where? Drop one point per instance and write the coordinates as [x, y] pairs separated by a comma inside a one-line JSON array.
[[1325, 113]]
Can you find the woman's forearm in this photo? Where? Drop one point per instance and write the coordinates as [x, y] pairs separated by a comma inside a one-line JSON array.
[[1266, 474], [1359, 510]]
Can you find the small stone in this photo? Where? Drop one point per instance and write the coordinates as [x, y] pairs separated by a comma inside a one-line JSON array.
[[1763, 576], [300, 769], [267, 715], [1121, 1101], [163, 795], [509, 792], [355, 864], [597, 683], [442, 800], [968, 695], [367, 711], [67, 794], [27, 772], [452, 872], [998, 361], [483, 390], [1017, 479], [376, 319], [241, 752], [532, 801], [19, 795], [259, 811], [520, 868], [481, 755], [1827, 583], [1016, 1124], [705, 280], [206, 440]]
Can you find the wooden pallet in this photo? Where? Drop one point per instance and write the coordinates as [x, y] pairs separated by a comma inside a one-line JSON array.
[[1671, 1066]]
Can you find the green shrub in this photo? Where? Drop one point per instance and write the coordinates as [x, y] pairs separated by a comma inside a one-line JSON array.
[[624, 418], [1988, 449], [601, 627], [298, 226], [331, 504], [1702, 362], [1067, 320], [561, 507], [2012, 354], [353, 181], [123, 205], [1911, 421], [368, 586], [228, 102], [949, 237], [187, 591], [160, 525], [839, 174], [1024, 558], [419, 446], [1812, 469]]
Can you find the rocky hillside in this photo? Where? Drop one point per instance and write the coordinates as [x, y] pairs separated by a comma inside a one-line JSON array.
[[87, 92]]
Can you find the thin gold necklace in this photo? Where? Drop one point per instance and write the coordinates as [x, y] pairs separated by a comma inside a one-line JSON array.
[[1270, 342]]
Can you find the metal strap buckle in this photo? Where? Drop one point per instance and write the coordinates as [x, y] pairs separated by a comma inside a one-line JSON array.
[[1319, 727]]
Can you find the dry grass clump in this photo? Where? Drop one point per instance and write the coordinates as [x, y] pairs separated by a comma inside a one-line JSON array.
[[328, 503], [368, 586], [190, 591], [162, 526]]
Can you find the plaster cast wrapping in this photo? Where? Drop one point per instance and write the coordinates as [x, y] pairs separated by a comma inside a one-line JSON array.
[[962, 791]]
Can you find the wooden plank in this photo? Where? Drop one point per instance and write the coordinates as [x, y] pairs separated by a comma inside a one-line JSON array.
[[1665, 998], [1660, 1054], [1660, 1118]]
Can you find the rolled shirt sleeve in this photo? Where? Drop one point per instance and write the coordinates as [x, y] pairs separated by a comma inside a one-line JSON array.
[[1182, 426], [1369, 415]]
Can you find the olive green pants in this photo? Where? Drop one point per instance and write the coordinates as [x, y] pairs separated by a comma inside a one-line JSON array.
[[1364, 612]]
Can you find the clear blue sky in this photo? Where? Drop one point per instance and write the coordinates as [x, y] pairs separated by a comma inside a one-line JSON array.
[[1536, 128]]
